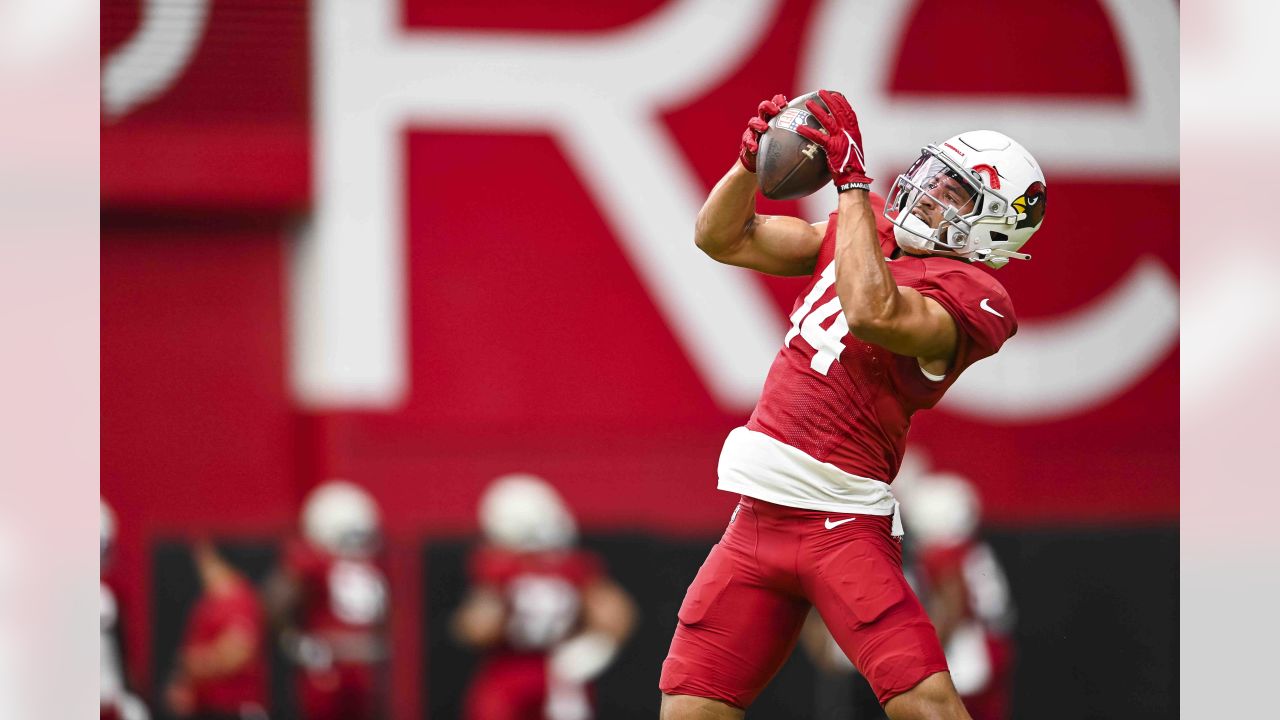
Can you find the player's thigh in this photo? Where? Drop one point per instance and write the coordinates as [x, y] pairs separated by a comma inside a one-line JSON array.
[[733, 632], [859, 590]]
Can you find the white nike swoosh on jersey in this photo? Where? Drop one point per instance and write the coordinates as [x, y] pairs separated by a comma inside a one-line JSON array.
[[837, 523], [985, 305]]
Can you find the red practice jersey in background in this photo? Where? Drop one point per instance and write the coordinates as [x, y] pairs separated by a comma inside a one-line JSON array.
[[542, 591], [214, 614], [543, 597], [343, 606], [339, 594]]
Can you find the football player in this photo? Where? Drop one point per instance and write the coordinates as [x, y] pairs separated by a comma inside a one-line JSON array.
[[221, 671], [543, 612], [329, 604], [897, 307], [964, 590]]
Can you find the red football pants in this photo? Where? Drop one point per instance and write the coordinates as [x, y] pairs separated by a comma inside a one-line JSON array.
[[742, 615]]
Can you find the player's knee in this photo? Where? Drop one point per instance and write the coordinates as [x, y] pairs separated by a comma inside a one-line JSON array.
[[933, 699], [927, 709], [689, 707]]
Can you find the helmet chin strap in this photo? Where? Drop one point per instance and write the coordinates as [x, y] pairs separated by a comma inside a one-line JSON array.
[[997, 252]]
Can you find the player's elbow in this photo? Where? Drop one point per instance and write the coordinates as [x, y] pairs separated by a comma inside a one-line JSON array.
[[871, 333], [869, 323], [703, 241], [708, 243], [718, 241]]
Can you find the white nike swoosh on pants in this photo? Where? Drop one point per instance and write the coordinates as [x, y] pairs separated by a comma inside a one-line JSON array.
[[838, 523]]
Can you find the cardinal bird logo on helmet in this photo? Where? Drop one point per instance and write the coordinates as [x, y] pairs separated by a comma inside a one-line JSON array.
[[1030, 206]]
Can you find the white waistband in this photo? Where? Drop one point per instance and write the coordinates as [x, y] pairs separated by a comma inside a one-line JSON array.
[[759, 466]]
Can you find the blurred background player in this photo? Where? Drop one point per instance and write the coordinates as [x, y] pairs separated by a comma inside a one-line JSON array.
[[115, 702], [964, 590], [542, 611], [222, 668], [329, 604]]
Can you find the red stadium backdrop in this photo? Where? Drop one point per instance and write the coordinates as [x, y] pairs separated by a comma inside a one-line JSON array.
[[532, 329]]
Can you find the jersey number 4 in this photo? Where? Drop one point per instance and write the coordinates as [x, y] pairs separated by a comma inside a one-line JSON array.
[[806, 322]]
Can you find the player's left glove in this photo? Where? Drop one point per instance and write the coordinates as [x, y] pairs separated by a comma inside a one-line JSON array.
[[756, 127], [842, 141]]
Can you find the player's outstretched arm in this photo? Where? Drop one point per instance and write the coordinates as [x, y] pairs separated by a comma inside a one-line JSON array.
[[878, 311], [729, 230]]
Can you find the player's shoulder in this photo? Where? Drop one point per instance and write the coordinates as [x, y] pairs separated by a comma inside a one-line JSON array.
[[586, 565], [489, 564], [949, 269], [967, 282]]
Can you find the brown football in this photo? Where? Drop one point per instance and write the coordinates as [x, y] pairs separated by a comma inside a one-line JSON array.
[[788, 166]]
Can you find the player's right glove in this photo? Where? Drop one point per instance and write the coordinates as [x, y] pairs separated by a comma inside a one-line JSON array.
[[842, 141], [756, 127]]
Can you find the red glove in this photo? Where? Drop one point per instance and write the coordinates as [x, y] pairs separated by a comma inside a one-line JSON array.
[[756, 127], [842, 141]]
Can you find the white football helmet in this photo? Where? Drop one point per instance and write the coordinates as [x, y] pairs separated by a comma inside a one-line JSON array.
[[524, 513], [979, 196], [942, 509], [341, 517]]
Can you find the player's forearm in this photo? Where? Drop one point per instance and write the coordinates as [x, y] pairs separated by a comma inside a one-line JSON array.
[[864, 284], [725, 218]]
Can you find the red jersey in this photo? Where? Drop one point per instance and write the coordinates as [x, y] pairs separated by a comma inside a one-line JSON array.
[[542, 592], [215, 614], [849, 403], [339, 594]]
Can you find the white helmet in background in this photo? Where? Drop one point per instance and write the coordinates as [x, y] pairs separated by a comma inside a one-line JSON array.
[[341, 517], [943, 509], [106, 530], [525, 513], [987, 191]]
